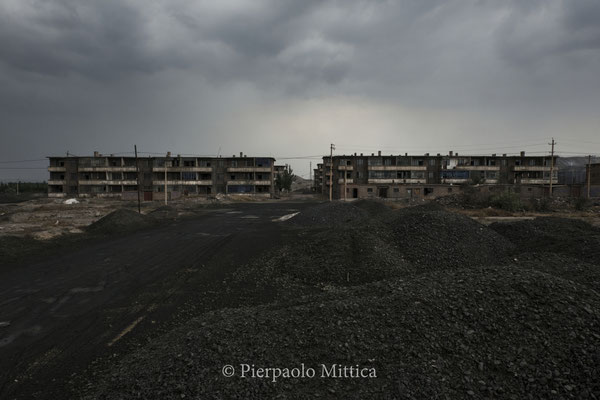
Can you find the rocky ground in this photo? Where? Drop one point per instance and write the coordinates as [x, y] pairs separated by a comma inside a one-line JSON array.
[[437, 304]]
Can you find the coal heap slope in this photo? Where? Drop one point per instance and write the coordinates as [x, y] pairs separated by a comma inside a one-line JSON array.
[[341, 255], [329, 213], [434, 238], [373, 207], [562, 266], [121, 220], [498, 332], [566, 236]]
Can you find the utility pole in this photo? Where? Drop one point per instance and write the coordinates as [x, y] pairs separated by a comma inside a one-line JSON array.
[[589, 175], [345, 175], [166, 195], [551, 164], [137, 170], [331, 148]]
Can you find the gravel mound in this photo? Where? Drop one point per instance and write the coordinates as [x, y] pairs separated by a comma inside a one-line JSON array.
[[373, 207], [567, 236], [498, 332], [433, 238], [121, 220], [341, 255], [330, 213]]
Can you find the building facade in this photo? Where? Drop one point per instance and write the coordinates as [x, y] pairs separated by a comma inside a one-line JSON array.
[[113, 176], [402, 176]]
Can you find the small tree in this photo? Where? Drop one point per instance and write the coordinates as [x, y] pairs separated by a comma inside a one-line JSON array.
[[283, 181]]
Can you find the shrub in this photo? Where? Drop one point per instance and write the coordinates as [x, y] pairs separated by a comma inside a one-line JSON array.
[[508, 201]]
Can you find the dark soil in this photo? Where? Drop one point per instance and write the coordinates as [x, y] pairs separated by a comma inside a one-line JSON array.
[[330, 213], [121, 220], [164, 213]]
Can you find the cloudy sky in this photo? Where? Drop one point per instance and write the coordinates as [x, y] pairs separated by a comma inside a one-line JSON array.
[[286, 78]]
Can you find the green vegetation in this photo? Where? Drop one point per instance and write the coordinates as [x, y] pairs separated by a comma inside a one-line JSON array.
[[24, 187], [508, 201], [283, 181]]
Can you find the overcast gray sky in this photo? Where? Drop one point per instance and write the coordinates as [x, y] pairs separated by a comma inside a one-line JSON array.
[[286, 78]]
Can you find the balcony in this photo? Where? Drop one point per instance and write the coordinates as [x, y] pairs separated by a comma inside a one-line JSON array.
[[56, 169], [107, 169], [184, 183], [533, 181], [397, 168], [107, 182], [455, 181], [397, 181], [348, 181], [182, 169], [477, 168], [56, 182], [249, 182], [345, 167], [531, 168], [249, 169]]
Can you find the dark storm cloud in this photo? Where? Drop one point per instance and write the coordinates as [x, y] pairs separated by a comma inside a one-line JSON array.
[[88, 72], [278, 43]]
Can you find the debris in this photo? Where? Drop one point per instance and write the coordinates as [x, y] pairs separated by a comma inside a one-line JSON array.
[[71, 201]]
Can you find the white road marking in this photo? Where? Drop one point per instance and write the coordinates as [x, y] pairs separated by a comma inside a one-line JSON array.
[[286, 217], [126, 330]]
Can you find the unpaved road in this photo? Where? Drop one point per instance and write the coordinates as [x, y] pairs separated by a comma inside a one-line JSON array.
[[62, 313]]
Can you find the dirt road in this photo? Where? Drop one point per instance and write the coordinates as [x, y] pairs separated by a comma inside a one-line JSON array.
[[60, 314]]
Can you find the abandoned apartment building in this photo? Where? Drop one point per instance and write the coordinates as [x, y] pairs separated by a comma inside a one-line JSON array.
[[430, 176], [121, 177]]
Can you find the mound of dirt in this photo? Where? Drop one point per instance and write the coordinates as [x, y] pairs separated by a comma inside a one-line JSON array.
[[341, 255], [330, 213], [373, 207], [121, 220], [434, 238], [498, 332], [164, 212], [567, 236]]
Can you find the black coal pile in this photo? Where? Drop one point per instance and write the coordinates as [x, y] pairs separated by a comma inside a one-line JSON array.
[[121, 220], [373, 207], [433, 238], [164, 213], [342, 255], [562, 266], [567, 236], [497, 332], [330, 213]]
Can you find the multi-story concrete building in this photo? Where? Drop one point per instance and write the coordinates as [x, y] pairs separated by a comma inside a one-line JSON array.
[[114, 176], [318, 178], [402, 176]]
